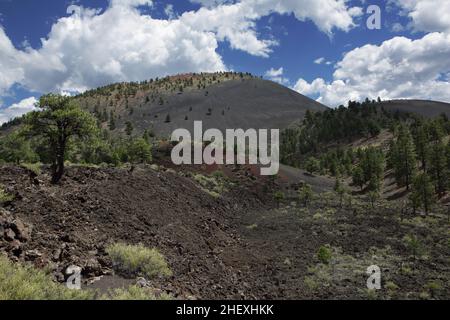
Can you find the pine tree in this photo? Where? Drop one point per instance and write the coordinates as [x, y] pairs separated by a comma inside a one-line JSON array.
[[312, 165], [421, 141], [404, 158], [374, 195], [358, 177], [278, 197], [372, 165], [129, 128], [305, 194], [422, 194], [438, 167], [339, 188], [146, 135]]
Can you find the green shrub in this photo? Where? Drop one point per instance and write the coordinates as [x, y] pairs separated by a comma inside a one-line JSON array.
[[414, 244], [33, 167], [19, 282], [310, 283], [391, 286], [4, 196], [138, 260], [324, 254], [278, 197], [218, 174], [434, 287], [305, 194], [134, 293]]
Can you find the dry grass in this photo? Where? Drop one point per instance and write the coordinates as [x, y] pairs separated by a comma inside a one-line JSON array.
[[138, 260]]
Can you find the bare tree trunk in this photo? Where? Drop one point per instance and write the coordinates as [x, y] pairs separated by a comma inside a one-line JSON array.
[[58, 170]]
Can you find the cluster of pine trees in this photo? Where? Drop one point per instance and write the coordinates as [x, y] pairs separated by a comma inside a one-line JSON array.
[[419, 156], [343, 124]]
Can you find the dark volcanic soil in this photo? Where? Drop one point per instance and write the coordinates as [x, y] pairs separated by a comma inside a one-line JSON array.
[[232, 247], [73, 223]]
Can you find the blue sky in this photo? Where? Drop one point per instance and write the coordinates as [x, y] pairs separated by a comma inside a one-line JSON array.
[[317, 47]]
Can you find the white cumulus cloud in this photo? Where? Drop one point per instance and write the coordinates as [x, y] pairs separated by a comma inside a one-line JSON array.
[[398, 68], [276, 75], [427, 15], [17, 109], [90, 48]]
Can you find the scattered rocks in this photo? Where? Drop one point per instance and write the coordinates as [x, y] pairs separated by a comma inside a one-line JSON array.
[[9, 235], [23, 231], [142, 283]]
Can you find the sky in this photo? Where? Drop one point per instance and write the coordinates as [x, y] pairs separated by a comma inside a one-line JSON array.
[[321, 48]]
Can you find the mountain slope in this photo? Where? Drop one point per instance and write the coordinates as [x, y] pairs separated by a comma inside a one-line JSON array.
[[425, 108], [233, 102]]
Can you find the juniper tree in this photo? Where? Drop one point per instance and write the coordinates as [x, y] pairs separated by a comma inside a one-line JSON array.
[[58, 122]]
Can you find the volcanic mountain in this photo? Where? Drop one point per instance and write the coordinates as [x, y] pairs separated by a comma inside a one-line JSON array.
[[220, 100]]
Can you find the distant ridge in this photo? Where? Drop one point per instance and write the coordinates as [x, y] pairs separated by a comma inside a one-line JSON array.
[[425, 108]]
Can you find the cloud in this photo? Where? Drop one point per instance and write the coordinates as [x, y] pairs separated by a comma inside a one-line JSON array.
[[326, 14], [276, 75], [11, 71], [90, 48], [130, 3], [398, 68], [169, 12], [398, 27], [17, 109], [322, 60], [319, 60], [212, 3], [423, 14]]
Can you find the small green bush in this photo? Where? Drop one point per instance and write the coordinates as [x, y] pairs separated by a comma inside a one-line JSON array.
[[4, 196], [414, 244], [324, 254], [434, 287], [134, 293], [138, 260], [19, 282], [33, 167], [278, 197]]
